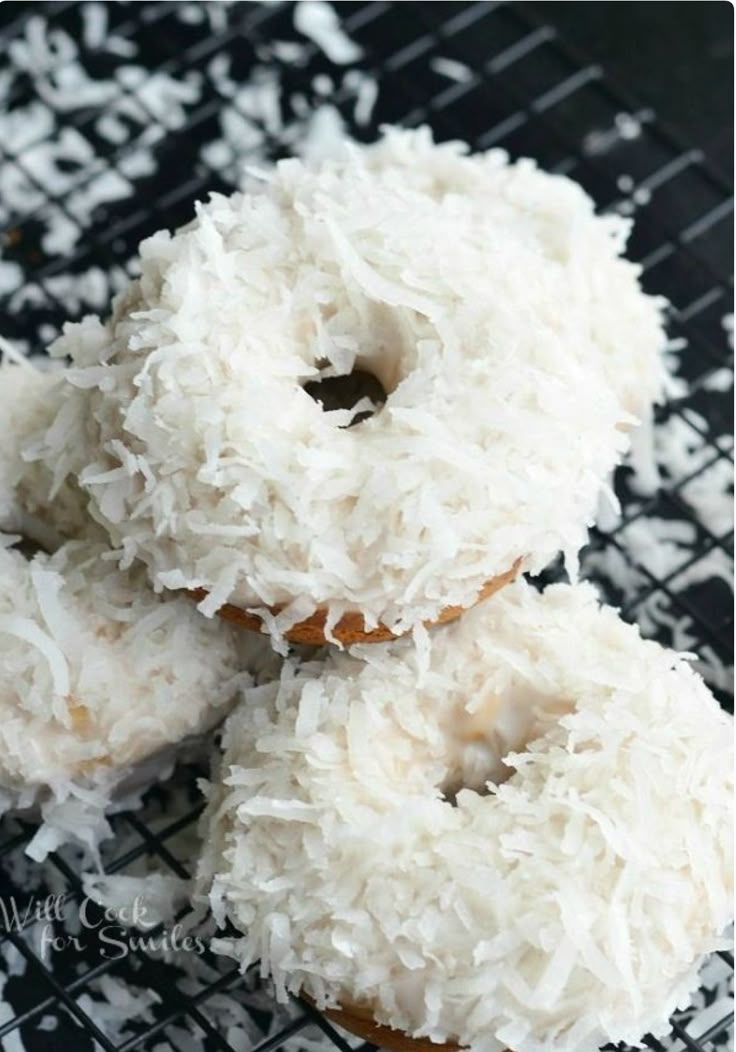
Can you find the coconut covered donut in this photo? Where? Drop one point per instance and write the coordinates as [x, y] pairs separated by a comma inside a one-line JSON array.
[[518, 839], [486, 300], [97, 676], [36, 500]]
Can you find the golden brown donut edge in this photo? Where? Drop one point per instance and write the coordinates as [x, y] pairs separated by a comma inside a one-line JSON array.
[[350, 628]]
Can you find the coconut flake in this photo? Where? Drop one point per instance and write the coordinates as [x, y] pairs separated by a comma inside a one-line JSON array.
[[451, 68], [318, 20]]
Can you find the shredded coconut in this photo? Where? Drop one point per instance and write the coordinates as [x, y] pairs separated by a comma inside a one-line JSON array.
[[365, 89], [318, 20], [626, 126], [515, 347], [31, 502], [97, 676], [532, 850], [451, 68]]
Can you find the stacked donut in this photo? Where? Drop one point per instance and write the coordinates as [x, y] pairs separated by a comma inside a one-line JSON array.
[[102, 682], [528, 850], [341, 408], [510, 343]]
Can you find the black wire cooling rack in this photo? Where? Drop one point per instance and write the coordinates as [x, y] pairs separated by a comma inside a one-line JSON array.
[[113, 118]]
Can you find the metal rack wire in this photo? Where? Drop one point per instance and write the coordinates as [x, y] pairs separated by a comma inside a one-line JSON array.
[[72, 218]]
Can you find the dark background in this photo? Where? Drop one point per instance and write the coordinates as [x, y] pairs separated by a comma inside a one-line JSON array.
[[677, 57]]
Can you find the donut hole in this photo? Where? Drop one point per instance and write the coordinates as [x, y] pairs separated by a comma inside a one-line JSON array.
[[485, 733], [29, 547], [345, 392], [449, 792], [474, 765]]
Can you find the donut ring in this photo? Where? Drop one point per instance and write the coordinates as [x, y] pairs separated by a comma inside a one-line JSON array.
[[518, 837], [350, 629], [100, 680], [486, 299]]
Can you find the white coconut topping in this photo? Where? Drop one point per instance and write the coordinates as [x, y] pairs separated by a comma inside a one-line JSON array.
[[31, 502], [531, 851], [515, 347], [98, 675]]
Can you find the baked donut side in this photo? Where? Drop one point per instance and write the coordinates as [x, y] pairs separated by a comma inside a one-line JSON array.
[[350, 629], [359, 1020]]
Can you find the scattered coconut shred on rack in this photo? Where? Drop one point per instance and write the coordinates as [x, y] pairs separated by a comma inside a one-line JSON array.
[[101, 684], [511, 347], [531, 851]]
